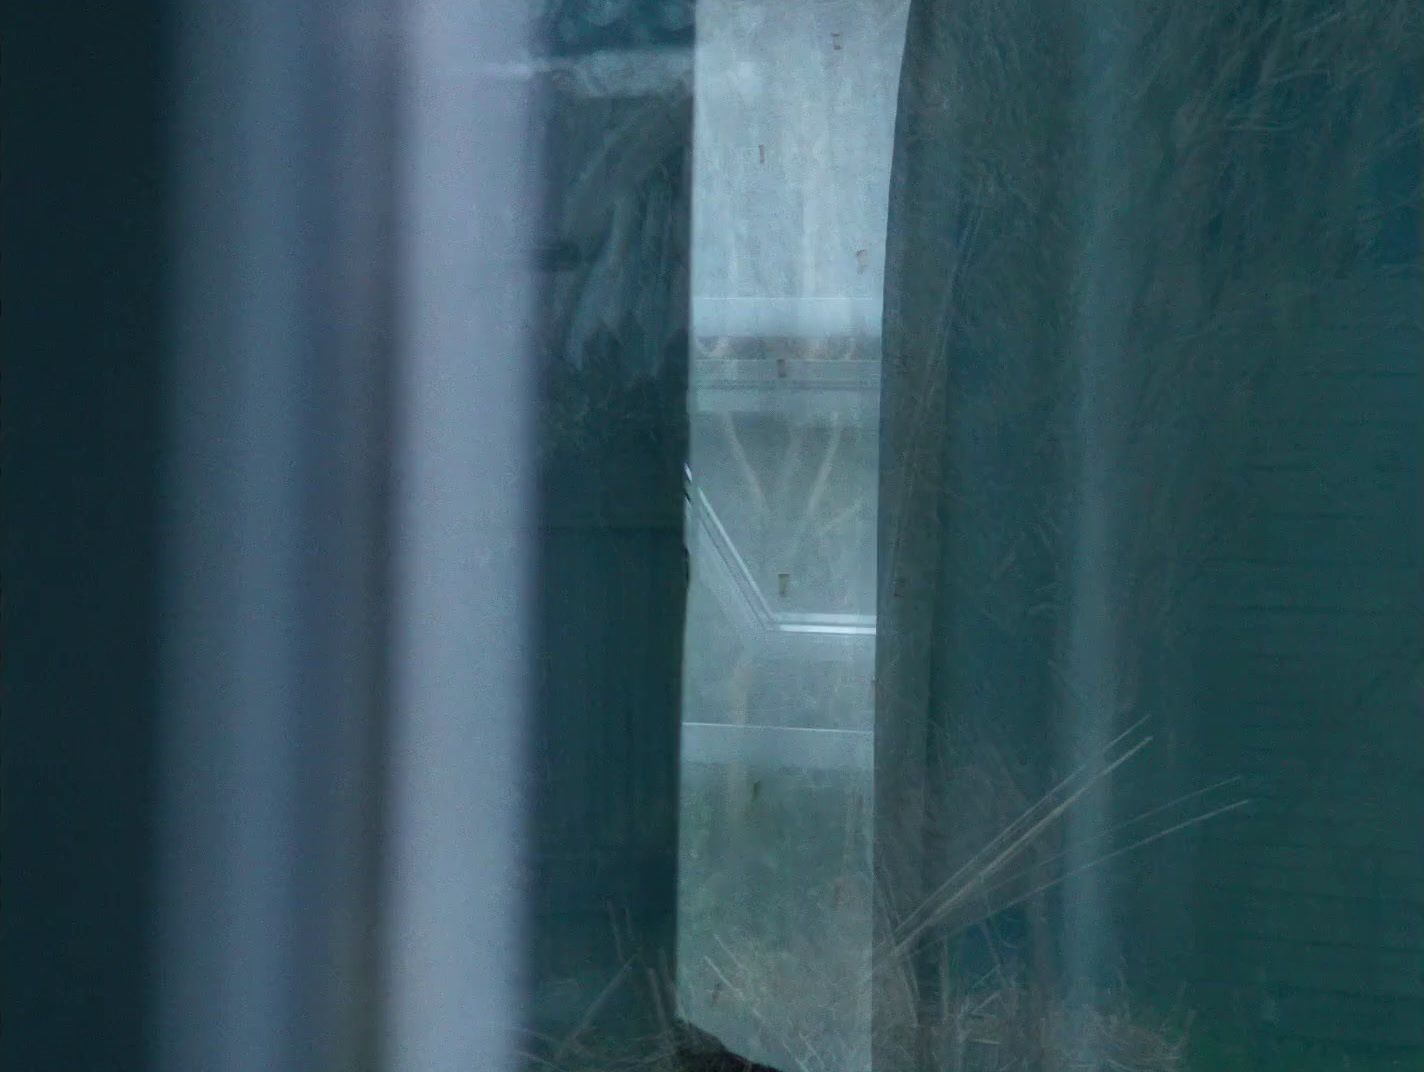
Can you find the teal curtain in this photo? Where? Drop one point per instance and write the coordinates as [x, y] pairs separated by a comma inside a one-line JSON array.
[[1152, 423]]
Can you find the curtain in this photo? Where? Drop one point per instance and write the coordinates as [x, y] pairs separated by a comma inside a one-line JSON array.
[[1152, 421]]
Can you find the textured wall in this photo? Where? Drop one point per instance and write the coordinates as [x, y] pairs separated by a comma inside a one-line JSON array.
[[795, 118]]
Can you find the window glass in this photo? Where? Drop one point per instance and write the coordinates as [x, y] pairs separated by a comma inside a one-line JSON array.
[[981, 556], [792, 147]]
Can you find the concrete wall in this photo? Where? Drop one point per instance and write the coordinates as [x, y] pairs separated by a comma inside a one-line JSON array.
[[794, 120], [795, 107]]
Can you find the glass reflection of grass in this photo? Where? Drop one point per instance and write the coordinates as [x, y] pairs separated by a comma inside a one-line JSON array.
[[776, 922]]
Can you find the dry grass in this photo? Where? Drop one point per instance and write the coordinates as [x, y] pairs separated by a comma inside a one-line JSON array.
[[1000, 1025], [800, 987]]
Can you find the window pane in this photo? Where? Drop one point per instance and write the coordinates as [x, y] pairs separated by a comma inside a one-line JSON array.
[[1038, 393], [791, 164]]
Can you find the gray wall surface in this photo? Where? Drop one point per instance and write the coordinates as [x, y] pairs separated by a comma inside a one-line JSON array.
[[795, 107], [794, 121]]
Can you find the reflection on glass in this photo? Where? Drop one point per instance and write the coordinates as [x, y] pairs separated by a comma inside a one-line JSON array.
[[1150, 540], [1054, 683], [794, 127], [1051, 660]]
